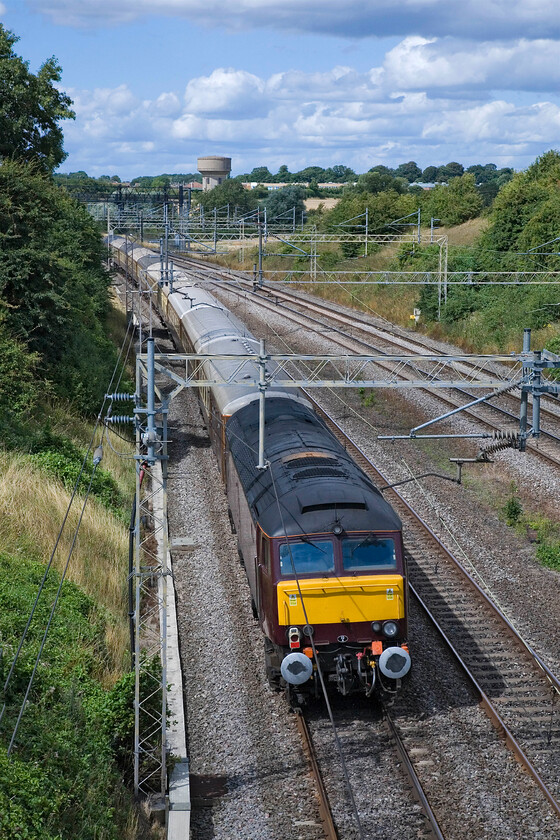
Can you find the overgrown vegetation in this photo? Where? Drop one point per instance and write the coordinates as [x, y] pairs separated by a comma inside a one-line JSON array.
[[541, 529], [63, 773], [65, 777]]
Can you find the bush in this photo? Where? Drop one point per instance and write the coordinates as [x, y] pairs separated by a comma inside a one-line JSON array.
[[512, 510], [62, 782], [60, 458]]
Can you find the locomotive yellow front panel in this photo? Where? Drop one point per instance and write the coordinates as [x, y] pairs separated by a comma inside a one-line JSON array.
[[334, 600]]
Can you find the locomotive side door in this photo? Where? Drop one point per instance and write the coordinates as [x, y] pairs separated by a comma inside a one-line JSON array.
[[265, 587]]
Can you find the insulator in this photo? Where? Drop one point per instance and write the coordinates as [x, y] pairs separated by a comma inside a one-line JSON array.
[[122, 397], [502, 440], [119, 418]]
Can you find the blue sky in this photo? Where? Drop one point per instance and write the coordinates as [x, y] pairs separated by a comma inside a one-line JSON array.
[[157, 83]]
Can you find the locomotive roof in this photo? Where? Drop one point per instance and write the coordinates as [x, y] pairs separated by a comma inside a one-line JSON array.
[[314, 478]]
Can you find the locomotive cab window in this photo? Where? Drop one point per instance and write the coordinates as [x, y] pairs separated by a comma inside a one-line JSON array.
[[369, 552], [313, 557]]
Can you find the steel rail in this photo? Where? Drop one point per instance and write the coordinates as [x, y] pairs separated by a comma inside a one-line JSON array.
[[491, 710], [355, 320], [414, 780], [324, 807], [487, 704], [399, 341]]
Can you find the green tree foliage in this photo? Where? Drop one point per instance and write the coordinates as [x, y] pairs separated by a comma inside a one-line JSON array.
[[525, 216], [340, 174], [53, 291], [376, 182], [409, 171], [454, 203], [521, 236], [261, 175], [310, 173], [152, 182], [31, 108], [383, 208], [381, 169], [283, 175], [229, 192], [449, 171], [281, 202], [429, 175], [19, 389]]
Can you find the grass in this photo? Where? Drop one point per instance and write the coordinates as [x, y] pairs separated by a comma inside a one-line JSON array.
[[32, 509]]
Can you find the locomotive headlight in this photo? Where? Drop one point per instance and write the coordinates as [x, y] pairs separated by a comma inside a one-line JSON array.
[[376, 626], [390, 629]]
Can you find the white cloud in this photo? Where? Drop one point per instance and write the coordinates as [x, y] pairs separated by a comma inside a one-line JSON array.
[[500, 123], [423, 64], [486, 19], [235, 93], [340, 116]]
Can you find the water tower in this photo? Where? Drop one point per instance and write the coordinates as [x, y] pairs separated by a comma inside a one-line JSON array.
[[214, 170]]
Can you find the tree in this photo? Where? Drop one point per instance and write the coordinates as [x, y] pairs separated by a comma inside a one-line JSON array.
[[53, 289], [429, 175], [230, 192], [341, 174], [281, 202], [283, 175], [376, 182], [525, 216], [409, 171], [449, 171], [310, 173], [31, 108], [455, 203], [261, 175]]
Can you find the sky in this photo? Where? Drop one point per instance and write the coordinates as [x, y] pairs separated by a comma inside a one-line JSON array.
[[158, 83]]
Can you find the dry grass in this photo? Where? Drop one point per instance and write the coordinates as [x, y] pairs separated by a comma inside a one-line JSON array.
[[395, 303], [32, 509], [465, 234]]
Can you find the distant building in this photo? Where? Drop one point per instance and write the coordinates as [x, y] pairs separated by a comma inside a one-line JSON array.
[[250, 185], [214, 170]]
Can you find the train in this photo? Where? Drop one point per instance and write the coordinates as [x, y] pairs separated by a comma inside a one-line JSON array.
[[322, 549]]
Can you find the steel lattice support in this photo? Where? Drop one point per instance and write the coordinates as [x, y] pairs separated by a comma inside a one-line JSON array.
[[150, 576]]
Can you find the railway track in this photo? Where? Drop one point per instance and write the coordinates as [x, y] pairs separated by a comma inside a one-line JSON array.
[[497, 419], [504, 692], [520, 695], [381, 746]]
